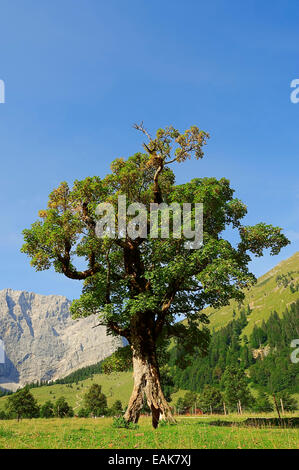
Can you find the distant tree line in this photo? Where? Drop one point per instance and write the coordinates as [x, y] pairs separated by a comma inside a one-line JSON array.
[[288, 280], [4, 392], [235, 397], [22, 404]]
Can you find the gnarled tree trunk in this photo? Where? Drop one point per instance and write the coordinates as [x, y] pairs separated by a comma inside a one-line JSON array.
[[147, 382]]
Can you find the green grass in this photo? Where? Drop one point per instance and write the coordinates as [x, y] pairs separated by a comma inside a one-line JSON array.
[[263, 298], [192, 433]]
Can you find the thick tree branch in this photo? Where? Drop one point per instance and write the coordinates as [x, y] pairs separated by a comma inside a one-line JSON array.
[[125, 332], [72, 273]]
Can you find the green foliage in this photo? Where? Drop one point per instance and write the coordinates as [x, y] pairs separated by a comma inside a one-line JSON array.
[[117, 407], [187, 403], [276, 372], [180, 405], [190, 400], [145, 408], [47, 410], [62, 409], [289, 403], [271, 370], [119, 361], [190, 340], [3, 415], [210, 399], [171, 278], [235, 388], [22, 404], [162, 423], [120, 422], [167, 382], [95, 401], [4, 392], [83, 413], [224, 350], [262, 403], [80, 374], [138, 284], [285, 280]]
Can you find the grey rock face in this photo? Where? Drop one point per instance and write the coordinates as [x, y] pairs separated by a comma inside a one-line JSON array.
[[42, 342]]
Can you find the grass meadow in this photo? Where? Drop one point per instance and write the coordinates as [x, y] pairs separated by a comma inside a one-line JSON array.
[[189, 433], [87, 433]]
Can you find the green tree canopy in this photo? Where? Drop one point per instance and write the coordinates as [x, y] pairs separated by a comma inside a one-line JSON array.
[[22, 404], [95, 401], [62, 409], [47, 410], [189, 400], [262, 403], [235, 385], [287, 401], [210, 399], [137, 285], [180, 406], [83, 413], [117, 408]]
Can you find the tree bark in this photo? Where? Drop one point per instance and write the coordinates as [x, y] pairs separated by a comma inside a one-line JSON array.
[[147, 382]]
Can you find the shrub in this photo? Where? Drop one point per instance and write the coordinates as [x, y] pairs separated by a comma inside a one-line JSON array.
[[288, 401], [210, 399], [3, 415], [120, 422], [83, 413], [62, 409], [47, 410]]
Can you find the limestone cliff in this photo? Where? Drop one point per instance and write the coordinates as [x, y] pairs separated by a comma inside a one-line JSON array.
[[41, 340]]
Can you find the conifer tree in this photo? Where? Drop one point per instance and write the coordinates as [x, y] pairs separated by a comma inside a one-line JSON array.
[[235, 386], [95, 401]]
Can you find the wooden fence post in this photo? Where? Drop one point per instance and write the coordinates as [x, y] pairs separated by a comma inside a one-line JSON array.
[[276, 406], [282, 408]]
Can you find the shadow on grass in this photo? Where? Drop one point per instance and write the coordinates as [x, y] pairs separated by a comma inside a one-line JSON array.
[[6, 434], [260, 422]]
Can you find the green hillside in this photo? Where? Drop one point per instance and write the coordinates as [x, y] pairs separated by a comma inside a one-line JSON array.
[[116, 386], [275, 290]]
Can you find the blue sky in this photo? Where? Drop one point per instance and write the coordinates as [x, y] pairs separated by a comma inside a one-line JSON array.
[[79, 73]]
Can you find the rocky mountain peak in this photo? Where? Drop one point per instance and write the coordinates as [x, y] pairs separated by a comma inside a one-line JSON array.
[[41, 340]]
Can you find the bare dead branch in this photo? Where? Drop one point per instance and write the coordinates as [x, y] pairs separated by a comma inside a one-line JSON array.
[[141, 128]]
